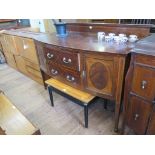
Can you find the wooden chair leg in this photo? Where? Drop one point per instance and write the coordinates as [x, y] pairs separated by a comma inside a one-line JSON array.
[[86, 115], [51, 95]]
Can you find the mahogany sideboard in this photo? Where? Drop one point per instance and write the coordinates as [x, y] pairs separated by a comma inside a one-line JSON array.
[[83, 62], [139, 98]]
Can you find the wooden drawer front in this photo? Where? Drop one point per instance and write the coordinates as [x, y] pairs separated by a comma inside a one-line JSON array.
[[29, 51], [32, 65], [72, 78], [138, 114], [51, 54], [55, 71], [143, 83], [19, 44], [69, 59], [99, 75], [147, 60], [33, 72]]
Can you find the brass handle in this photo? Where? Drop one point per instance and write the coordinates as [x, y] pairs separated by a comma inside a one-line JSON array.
[[143, 84], [66, 61], [136, 116], [54, 72], [70, 78], [49, 55]]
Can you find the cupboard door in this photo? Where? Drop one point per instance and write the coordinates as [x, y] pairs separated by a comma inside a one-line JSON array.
[[138, 114], [10, 59], [143, 83], [4, 43], [29, 51], [99, 75], [11, 44]]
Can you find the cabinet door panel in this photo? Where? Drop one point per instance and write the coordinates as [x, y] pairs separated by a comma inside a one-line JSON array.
[[138, 114], [99, 75], [29, 51]]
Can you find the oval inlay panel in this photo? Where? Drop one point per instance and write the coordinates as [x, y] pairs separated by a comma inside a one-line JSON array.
[[98, 75]]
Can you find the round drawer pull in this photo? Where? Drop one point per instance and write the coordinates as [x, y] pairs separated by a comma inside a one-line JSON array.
[[136, 116], [143, 84], [49, 55], [70, 78], [66, 61], [54, 72]]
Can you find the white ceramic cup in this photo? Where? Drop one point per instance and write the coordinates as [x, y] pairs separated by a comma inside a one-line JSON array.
[[133, 38], [100, 35], [124, 39], [111, 35], [122, 35], [108, 38]]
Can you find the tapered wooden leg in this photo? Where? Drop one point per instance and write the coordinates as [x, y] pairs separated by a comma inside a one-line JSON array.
[[105, 103], [44, 79], [86, 115], [117, 113], [51, 95]]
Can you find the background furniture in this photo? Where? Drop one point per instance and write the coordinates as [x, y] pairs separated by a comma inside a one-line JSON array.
[[139, 99], [21, 54], [12, 121]]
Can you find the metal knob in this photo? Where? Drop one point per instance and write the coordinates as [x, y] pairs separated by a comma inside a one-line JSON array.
[[66, 61], [54, 72], [143, 84], [49, 55], [153, 101], [70, 78], [136, 116]]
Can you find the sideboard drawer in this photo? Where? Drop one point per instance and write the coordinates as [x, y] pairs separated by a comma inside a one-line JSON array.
[[55, 71], [72, 78], [69, 60], [138, 114], [51, 54], [143, 83]]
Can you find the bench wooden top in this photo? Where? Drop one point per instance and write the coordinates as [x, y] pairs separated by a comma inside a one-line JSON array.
[[12, 121], [78, 94]]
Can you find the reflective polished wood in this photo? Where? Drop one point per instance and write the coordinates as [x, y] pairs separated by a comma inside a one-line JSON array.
[[12, 121]]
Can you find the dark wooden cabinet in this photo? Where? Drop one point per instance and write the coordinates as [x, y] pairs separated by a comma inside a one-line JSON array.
[[139, 113]]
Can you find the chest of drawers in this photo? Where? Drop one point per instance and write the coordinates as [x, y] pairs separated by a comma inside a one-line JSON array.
[[139, 100]]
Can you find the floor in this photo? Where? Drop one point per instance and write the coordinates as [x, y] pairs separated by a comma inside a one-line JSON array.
[[65, 118]]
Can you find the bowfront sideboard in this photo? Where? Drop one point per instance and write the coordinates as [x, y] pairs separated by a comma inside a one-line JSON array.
[[81, 61]]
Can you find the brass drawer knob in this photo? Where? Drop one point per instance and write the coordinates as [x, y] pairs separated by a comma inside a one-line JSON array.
[[143, 84], [54, 72], [66, 61], [136, 116], [49, 55], [70, 78]]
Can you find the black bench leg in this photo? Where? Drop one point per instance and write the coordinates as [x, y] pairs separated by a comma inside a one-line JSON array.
[[86, 115], [51, 95], [105, 103]]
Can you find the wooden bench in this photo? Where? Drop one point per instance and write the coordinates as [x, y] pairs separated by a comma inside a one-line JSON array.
[[12, 121], [80, 97]]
